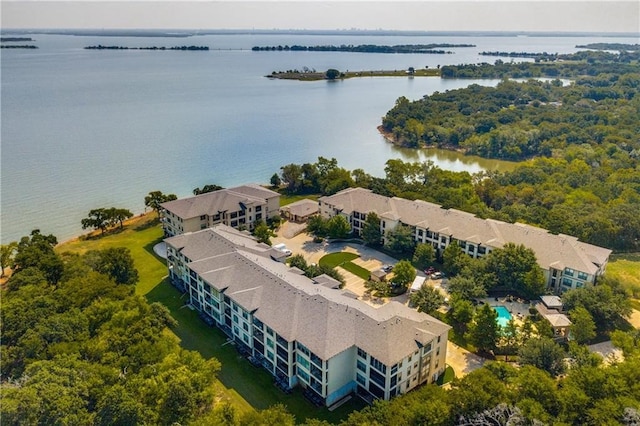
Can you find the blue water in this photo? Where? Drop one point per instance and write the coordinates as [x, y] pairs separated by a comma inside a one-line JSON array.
[[82, 129], [504, 316]]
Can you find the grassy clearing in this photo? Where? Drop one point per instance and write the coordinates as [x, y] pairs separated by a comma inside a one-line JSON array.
[[356, 270], [243, 385], [337, 259], [288, 199], [626, 267]]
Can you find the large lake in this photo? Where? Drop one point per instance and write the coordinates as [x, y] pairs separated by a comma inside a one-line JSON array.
[[83, 129]]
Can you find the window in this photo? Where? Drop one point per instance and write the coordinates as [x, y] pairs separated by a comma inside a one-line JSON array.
[[302, 361], [258, 209], [361, 366], [361, 379], [377, 378], [569, 271], [362, 353], [203, 217], [234, 223], [482, 250], [582, 276], [567, 282], [245, 326], [234, 215], [378, 365]]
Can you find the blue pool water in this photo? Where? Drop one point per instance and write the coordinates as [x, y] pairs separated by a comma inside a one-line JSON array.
[[503, 315]]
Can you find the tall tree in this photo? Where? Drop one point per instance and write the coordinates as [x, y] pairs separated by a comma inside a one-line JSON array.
[[207, 188], [485, 331], [292, 176], [400, 240], [97, 219], [317, 225], [423, 255], [155, 198], [276, 181], [118, 216], [263, 233], [466, 288], [338, 227], [7, 253], [454, 259], [427, 299], [403, 273], [583, 328], [371, 230], [515, 267], [544, 354], [116, 262]]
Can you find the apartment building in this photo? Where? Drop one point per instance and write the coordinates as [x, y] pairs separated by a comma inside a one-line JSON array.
[[305, 332], [567, 263], [239, 207]]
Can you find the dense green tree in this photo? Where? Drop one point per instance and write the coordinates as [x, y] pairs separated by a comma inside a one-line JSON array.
[[403, 273], [400, 240], [116, 262], [515, 267], [332, 74], [466, 288], [427, 299], [155, 198], [207, 188], [423, 255], [117, 216], [454, 260], [97, 219], [317, 225], [583, 329], [292, 177], [485, 331], [263, 233], [606, 304], [544, 354], [36, 251], [275, 181], [477, 391], [7, 253], [338, 227], [371, 234], [460, 314]]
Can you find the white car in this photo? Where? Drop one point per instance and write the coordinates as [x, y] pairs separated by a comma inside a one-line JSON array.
[[283, 248]]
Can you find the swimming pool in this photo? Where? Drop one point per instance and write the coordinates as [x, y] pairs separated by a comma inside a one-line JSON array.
[[503, 315]]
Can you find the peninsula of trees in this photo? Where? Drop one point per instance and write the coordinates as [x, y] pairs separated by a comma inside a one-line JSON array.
[[190, 48], [365, 48]]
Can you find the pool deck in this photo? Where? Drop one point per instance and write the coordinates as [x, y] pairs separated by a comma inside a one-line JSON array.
[[519, 311]]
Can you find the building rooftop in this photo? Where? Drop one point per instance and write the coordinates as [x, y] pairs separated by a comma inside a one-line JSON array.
[[301, 208], [325, 320], [559, 251], [230, 199]]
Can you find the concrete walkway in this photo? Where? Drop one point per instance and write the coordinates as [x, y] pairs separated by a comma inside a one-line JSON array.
[[461, 360]]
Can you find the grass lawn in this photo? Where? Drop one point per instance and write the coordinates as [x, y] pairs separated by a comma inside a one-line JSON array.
[[343, 259], [626, 267], [288, 199], [337, 259], [448, 376], [243, 385]]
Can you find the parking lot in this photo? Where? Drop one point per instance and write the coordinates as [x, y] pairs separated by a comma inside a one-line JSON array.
[[369, 259]]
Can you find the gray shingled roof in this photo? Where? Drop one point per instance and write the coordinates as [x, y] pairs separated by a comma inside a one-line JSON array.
[[561, 250], [301, 208], [324, 320], [219, 201]]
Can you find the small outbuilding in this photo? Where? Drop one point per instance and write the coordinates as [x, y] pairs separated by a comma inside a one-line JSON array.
[[300, 211]]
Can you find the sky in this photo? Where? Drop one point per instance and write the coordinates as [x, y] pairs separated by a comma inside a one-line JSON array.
[[425, 15]]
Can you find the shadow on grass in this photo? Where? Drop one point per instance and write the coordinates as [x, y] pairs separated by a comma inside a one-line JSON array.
[[149, 249], [253, 384]]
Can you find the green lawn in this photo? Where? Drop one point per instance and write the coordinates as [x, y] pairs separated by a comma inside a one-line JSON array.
[[343, 259], [243, 385], [448, 376], [288, 199], [337, 259], [626, 267]]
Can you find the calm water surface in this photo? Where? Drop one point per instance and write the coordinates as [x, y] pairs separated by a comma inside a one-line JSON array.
[[83, 129]]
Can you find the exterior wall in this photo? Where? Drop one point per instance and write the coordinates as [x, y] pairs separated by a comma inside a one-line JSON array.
[[292, 363], [272, 207], [341, 376], [568, 279]]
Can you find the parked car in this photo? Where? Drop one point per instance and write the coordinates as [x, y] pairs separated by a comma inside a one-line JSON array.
[[387, 268], [437, 275], [430, 270], [283, 248]]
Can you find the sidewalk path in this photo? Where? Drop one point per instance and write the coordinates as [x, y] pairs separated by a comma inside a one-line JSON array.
[[461, 360]]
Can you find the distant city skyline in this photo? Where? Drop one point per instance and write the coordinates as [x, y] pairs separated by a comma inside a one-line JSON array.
[[455, 15]]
